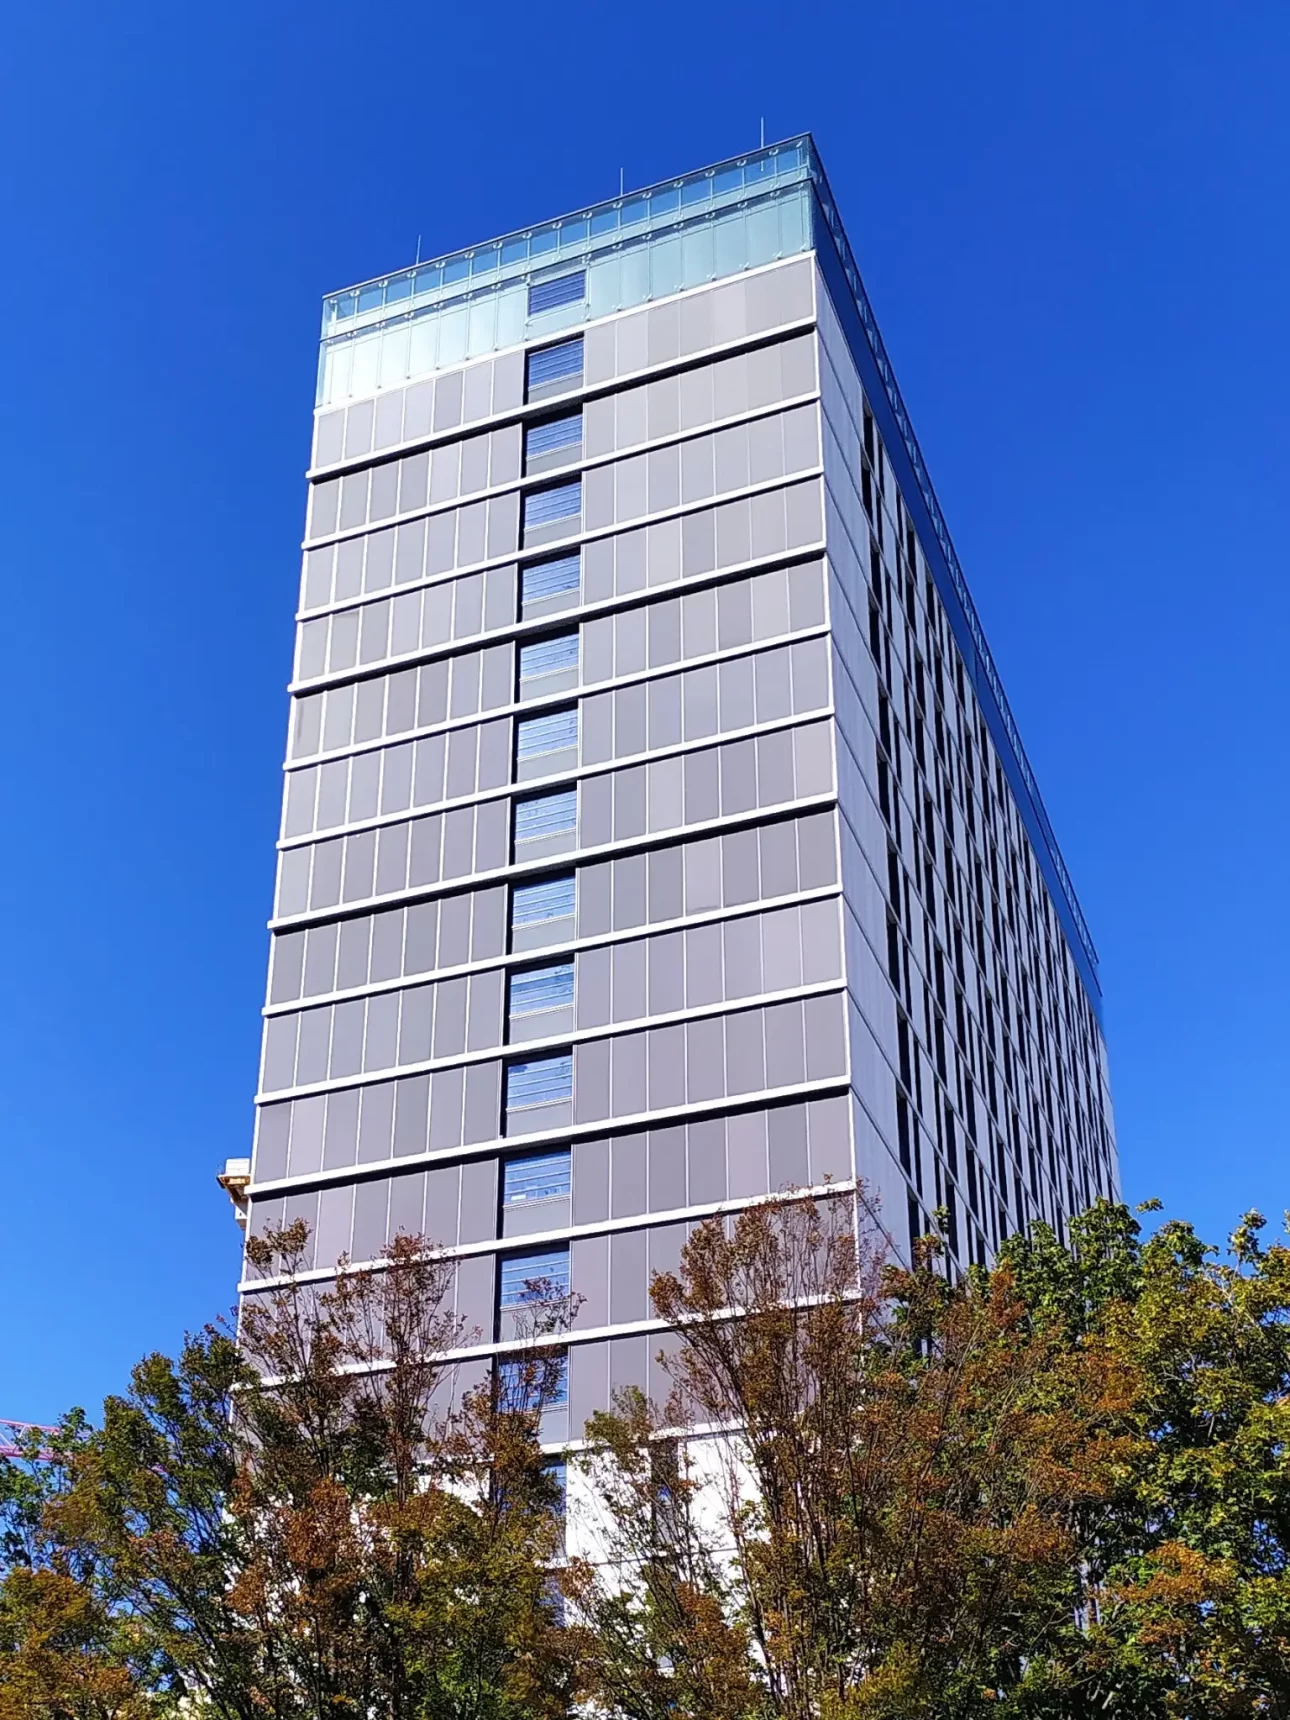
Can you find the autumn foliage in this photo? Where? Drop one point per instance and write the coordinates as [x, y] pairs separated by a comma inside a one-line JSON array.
[[1056, 1490], [310, 1519]]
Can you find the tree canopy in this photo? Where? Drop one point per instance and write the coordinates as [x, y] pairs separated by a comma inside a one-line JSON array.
[[1051, 1490]]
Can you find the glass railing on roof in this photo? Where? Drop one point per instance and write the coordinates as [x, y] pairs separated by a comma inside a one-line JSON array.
[[602, 224]]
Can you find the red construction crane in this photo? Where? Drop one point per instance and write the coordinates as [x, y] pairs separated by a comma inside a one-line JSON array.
[[11, 1433]]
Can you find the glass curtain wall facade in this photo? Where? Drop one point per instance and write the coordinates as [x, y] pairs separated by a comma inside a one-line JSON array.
[[655, 834]]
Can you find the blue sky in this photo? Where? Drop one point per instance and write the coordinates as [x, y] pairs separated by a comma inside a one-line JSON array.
[[1072, 225]]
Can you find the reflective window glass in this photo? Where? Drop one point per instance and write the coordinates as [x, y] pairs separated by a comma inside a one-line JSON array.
[[549, 656], [539, 1081], [547, 899], [535, 990], [553, 731], [552, 435], [543, 507], [546, 815], [537, 1176], [525, 1384], [537, 1275], [545, 579]]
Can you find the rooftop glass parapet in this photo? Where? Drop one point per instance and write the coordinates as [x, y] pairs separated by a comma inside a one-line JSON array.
[[570, 238]]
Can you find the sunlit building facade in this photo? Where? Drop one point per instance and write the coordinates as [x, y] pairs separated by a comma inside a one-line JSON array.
[[655, 833]]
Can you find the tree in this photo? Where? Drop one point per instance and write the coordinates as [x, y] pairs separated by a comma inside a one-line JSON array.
[[891, 1523], [1187, 1574], [62, 1654], [1056, 1490], [313, 1518], [59, 1657]]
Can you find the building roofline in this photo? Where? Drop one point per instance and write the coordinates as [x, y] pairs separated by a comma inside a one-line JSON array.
[[585, 211]]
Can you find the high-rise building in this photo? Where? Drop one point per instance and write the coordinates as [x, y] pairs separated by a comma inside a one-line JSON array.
[[656, 833]]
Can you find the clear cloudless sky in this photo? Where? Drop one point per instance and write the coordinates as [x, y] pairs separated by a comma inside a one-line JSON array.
[[1072, 223]]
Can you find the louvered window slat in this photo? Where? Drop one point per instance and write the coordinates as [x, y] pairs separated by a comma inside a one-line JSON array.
[[553, 731], [550, 578], [563, 290], [545, 507], [537, 1176], [555, 363], [555, 433], [542, 1081], [534, 1276], [534, 990], [549, 656], [546, 815], [549, 899]]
